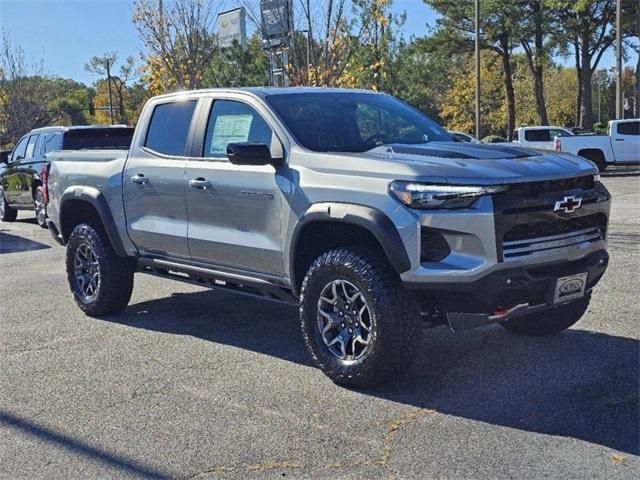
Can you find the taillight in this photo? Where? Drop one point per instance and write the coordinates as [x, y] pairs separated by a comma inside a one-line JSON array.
[[557, 145], [44, 176]]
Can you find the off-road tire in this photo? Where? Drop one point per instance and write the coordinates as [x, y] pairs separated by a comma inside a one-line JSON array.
[[549, 322], [115, 273], [38, 203], [396, 333], [7, 214]]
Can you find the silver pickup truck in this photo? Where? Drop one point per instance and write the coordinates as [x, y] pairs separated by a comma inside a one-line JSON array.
[[351, 204]]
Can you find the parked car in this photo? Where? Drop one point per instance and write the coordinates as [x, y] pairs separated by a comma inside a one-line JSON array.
[[539, 137], [23, 183], [350, 204], [463, 137], [621, 144]]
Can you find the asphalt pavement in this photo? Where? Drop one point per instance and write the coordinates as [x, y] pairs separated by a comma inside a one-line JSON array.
[[194, 383]]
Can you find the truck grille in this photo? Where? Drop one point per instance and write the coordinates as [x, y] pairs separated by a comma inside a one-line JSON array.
[[532, 238], [528, 188]]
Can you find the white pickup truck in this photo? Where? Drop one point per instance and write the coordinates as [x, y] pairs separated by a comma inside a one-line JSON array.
[[539, 137], [621, 144]]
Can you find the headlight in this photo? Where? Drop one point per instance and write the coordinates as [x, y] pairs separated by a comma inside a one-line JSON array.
[[421, 195]]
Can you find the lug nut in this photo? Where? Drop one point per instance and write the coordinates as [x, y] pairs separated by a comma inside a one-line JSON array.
[[341, 313]]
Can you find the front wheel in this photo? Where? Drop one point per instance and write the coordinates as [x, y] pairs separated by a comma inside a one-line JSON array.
[[549, 322], [100, 280], [7, 214], [40, 207], [360, 325]]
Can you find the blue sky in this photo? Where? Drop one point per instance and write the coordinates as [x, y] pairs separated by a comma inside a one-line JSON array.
[[66, 33]]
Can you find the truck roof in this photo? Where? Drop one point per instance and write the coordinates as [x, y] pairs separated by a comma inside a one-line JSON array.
[[543, 127], [266, 91]]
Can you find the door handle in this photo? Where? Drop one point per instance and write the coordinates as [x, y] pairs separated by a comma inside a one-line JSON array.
[[619, 139], [140, 179], [200, 182]]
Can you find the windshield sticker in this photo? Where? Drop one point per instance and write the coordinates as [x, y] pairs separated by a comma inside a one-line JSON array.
[[230, 129]]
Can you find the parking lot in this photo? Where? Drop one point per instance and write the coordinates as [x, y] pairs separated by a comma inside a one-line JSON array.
[[193, 383]]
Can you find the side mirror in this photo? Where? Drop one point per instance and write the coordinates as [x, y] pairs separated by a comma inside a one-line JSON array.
[[4, 156], [247, 153]]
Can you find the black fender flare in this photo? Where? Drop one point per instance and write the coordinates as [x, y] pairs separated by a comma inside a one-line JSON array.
[[369, 218], [96, 199]]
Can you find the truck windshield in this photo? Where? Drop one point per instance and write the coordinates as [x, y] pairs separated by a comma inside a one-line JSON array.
[[353, 122], [118, 138]]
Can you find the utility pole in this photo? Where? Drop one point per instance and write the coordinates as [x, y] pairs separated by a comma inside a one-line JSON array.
[[477, 22], [619, 107], [108, 60]]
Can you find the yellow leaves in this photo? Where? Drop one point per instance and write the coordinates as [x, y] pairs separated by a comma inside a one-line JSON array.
[[617, 458]]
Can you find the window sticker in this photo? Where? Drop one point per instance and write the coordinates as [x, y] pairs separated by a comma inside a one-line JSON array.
[[30, 148], [230, 129]]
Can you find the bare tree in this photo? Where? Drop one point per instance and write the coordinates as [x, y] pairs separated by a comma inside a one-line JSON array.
[[103, 66], [24, 95]]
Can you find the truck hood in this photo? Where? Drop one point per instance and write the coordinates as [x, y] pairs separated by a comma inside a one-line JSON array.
[[462, 163]]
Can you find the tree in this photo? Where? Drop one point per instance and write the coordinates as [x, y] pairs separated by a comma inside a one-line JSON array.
[[24, 96], [500, 25], [178, 39], [116, 84]]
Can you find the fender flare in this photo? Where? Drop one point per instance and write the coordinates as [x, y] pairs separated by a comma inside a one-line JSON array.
[[371, 219], [96, 199]]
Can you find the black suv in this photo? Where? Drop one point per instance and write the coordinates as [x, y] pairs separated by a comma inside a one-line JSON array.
[[23, 184]]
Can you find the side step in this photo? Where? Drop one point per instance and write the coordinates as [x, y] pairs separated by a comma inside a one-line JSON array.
[[231, 282]]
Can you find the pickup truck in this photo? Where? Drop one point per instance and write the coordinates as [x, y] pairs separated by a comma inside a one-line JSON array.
[[541, 137], [621, 144], [23, 180], [350, 204]]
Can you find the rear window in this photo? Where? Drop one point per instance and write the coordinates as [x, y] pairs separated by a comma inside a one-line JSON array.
[[169, 127], [628, 128], [537, 135], [96, 139]]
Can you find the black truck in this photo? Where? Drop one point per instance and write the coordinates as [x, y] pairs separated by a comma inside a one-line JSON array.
[[23, 183]]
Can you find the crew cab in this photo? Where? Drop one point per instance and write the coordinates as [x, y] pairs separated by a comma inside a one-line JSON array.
[[621, 144], [348, 203], [539, 137], [23, 183]]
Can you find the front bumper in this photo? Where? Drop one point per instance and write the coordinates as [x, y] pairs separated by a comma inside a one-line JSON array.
[[508, 293]]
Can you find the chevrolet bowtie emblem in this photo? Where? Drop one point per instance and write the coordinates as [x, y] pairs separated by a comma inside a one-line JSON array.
[[568, 205]]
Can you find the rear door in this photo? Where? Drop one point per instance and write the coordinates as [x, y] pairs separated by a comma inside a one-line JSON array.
[[235, 211], [538, 138], [154, 182], [625, 141], [28, 170]]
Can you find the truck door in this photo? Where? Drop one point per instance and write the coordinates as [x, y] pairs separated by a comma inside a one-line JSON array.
[[11, 176], [235, 211], [154, 183], [625, 141], [28, 169]]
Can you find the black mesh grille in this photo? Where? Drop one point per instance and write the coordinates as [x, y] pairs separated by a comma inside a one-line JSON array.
[[558, 227], [585, 183]]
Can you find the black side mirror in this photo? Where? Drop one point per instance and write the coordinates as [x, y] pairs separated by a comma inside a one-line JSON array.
[[4, 156], [246, 153]]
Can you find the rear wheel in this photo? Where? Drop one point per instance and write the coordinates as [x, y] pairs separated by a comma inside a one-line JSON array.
[[100, 280], [40, 207], [7, 214], [549, 322], [596, 157], [360, 325]]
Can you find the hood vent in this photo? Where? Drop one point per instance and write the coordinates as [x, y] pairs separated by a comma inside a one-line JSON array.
[[462, 151]]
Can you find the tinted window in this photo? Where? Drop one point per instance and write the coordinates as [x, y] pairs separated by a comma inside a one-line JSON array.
[[537, 135], [559, 133], [20, 149], [628, 128], [31, 146], [98, 138], [353, 122], [50, 142], [231, 122], [169, 127]]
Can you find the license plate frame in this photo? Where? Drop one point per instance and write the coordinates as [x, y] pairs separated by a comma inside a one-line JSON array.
[[570, 288]]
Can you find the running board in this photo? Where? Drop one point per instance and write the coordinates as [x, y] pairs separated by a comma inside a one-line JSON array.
[[230, 282]]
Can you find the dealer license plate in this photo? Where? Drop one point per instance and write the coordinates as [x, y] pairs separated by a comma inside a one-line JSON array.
[[571, 287]]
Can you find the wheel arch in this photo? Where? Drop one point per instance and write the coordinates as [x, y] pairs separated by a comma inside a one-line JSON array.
[[325, 226], [88, 205]]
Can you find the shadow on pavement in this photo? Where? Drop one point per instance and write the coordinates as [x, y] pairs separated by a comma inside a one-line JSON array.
[[69, 443], [577, 384], [13, 243]]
